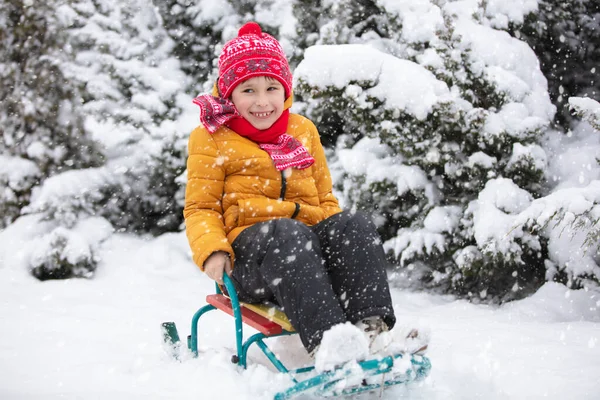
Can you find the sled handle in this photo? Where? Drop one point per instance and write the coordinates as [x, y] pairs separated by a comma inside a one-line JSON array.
[[237, 313]]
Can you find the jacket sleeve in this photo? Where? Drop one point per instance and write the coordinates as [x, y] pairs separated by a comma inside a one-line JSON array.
[[327, 201], [203, 211]]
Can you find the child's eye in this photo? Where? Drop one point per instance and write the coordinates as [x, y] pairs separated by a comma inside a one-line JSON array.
[[248, 90], [273, 88]]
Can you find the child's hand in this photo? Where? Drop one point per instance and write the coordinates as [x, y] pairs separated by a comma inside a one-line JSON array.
[[217, 263]]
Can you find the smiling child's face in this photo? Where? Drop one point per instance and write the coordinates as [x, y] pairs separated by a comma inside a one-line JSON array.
[[259, 100]]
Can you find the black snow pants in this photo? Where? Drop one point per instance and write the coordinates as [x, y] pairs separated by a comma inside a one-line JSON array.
[[320, 275]]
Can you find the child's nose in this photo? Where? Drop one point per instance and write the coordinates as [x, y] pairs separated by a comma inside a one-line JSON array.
[[262, 99]]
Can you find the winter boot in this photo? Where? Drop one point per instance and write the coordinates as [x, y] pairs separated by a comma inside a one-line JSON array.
[[341, 344], [401, 340], [372, 327]]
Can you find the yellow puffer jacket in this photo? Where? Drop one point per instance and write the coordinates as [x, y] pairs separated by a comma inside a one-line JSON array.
[[233, 184]]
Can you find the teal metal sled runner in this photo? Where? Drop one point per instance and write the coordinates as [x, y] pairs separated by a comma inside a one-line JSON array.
[[352, 378]]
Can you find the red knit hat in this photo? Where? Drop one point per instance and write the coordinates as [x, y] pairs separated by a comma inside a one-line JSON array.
[[252, 53]]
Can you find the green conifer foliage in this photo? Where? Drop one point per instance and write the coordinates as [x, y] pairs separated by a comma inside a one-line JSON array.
[[40, 118], [18, 177], [437, 167], [123, 60], [199, 30], [195, 37], [565, 35], [92, 93]]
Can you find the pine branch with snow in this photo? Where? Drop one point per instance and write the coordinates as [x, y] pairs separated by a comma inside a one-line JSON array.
[[570, 219], [587, 109], [18, 176], [564, 36]]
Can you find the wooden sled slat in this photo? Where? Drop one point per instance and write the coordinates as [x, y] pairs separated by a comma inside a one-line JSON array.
[[271, 313], [249, 317]]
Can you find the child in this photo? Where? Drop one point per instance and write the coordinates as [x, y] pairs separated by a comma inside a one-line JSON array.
[[259, 207]]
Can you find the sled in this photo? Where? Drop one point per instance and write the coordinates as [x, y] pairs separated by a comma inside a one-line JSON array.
[[351, 378]]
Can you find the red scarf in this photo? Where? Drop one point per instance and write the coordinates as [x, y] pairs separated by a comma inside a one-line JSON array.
[[242, 127], [285, 150]]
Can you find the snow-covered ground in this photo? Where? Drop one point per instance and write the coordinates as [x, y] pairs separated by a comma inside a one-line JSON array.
[[100, 338]]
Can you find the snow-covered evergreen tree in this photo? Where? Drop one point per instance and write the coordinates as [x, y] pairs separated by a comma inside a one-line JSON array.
[[41, 118], [131, 96], [565, 35], [435, 117]]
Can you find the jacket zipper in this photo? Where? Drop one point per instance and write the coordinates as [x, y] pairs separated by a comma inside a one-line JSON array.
[[283, 186]]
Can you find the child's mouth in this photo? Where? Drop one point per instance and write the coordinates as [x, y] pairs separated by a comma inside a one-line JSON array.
[[262, 114]]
